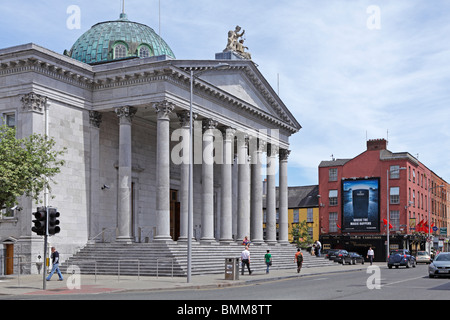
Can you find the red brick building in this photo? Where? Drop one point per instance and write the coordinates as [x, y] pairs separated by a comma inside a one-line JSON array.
[[356, 194]]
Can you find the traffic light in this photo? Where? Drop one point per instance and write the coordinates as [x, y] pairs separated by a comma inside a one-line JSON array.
[[53, 222], [40, 221]]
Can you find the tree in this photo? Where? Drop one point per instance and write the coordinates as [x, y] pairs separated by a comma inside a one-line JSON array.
[[299, 233], [27, 165]]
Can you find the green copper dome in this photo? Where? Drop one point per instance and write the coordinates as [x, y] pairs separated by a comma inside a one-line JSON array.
[[119, 39]]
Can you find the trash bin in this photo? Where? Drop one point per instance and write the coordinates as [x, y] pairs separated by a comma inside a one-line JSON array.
[[232, 269]]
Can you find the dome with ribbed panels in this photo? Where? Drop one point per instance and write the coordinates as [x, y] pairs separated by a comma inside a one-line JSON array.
[[119, 39]]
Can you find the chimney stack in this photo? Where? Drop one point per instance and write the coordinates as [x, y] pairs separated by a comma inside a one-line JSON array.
[[376, 144]]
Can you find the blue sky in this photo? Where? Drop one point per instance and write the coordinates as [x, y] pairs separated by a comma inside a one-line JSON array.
[[343, 81]]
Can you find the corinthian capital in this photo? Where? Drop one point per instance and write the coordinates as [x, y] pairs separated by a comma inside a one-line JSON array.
[[284, 154], [126, 113], [33, 102], [164, 109]]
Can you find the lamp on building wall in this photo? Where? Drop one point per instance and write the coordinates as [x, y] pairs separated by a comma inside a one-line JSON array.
[[388, 172]]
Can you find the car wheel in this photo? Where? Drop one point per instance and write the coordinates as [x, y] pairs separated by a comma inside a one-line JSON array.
[[389, 266], [431, 275]]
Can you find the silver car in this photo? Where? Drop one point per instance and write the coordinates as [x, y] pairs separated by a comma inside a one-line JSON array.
[[423, 257], [440, 266]]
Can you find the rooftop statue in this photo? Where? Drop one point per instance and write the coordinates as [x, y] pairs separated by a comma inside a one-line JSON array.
[[235, 44]]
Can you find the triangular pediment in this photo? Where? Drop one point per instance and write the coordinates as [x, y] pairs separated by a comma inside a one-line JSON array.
[[243, 82], [239, 85]]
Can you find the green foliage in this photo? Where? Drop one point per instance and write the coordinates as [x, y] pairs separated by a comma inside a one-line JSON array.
[[299, 233], [27, 165]]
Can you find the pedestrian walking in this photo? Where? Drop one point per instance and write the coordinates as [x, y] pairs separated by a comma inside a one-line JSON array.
[[268, 258], [370, 255], [55, 265], [299, 259], [318, 247], [245, 258]]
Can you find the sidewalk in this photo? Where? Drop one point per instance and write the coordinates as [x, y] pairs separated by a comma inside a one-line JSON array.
[[89, 284]]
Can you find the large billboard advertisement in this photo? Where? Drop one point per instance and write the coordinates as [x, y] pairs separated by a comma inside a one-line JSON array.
[[361, 205]]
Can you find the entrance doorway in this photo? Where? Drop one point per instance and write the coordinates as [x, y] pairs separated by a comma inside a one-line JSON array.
[[9, 259], [174, 215]]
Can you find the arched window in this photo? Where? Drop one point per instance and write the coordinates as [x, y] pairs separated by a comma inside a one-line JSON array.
[[120, 51], [144, 51]]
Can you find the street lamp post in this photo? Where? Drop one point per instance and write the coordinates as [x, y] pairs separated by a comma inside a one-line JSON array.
[[429, 209], [220, 66], [388, 172]]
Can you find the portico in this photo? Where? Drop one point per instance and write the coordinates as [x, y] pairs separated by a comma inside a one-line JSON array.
[[123, 114], [222, 148]]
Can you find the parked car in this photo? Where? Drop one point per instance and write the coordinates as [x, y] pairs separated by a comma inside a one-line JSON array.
[[440, 266], [331, 254], [353, 258], [401, 257], [339, 258], [423, 257]]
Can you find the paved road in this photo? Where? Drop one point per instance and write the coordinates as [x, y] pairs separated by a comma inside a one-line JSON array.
[[394, 284]]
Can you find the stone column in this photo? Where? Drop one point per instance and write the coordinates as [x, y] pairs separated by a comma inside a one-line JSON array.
[[184, 118], [283, 198], [125, 115], [257, 234], [95, 119], [243, 220], [208, 181], [271, 214], [226, 217], [163, 109]]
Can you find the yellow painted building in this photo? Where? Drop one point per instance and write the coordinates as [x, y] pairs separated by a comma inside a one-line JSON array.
[[310, 214], [303, 204]]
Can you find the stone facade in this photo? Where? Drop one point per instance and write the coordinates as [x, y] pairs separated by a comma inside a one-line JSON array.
[[122, 124]]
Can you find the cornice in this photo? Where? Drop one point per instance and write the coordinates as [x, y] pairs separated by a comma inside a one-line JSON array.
[[32, 58]]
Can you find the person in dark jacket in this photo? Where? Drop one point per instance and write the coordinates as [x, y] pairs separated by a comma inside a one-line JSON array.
[[55, 265]]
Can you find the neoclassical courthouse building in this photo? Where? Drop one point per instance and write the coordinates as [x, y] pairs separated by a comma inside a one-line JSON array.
[[121, 103]]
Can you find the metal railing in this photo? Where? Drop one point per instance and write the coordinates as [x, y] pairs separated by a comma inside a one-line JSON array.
[[118, 268], [163, 259]]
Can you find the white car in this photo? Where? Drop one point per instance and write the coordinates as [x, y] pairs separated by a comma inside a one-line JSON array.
[[423, 257]]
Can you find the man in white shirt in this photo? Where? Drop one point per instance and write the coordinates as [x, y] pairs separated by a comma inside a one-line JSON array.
[[245, 258], [370, 255]]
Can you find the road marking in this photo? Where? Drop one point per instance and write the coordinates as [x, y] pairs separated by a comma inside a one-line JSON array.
[[400, 281]]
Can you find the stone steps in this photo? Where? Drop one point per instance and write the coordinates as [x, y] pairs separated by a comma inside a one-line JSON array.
[[161, 258]]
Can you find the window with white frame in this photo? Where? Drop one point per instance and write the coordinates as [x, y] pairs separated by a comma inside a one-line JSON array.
[[332, 174], [333, 197], [394, 172], [394, 195], [144, 51], [309, 215], [120, 51], [296, 215], [332, 221], [395, 220]]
